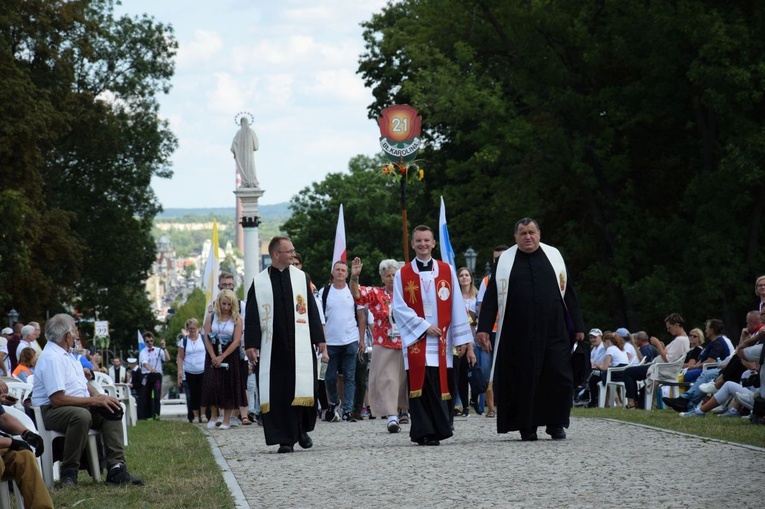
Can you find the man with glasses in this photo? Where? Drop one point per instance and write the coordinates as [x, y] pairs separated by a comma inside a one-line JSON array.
[[70, 406], [151, 360], [674, 351], [281, 328]]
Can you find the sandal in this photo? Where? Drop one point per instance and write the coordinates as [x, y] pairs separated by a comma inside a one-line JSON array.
[[246, 421], [491, 413]]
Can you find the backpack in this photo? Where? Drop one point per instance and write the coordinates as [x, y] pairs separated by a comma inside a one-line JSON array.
[[325, 293]]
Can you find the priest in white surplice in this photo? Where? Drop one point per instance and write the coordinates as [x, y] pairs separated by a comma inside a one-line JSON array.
[[539, 319], [431, 316], [282, 327]]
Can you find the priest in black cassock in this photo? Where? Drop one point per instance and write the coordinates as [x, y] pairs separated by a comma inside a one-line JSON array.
[[282, 326], [539, 316]]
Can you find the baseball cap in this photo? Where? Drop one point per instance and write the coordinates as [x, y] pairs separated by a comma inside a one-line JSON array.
[[596, 332], [623, 332], [7, 330]]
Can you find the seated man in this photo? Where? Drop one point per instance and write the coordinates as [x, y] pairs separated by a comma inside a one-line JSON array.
[[70, 406], [17, 461], [676, 349]]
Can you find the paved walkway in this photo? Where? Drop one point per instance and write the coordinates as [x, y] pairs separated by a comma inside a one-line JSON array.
[[603, 463]]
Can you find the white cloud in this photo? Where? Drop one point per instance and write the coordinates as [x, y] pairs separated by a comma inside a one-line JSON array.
[[230, 94], [205, 45], [338, 84]]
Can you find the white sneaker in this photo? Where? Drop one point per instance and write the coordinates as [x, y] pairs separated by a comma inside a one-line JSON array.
[[234, 422], [746, 399], [693, 413], [708, 388], [731, 412], [210, 424], [719, 409]]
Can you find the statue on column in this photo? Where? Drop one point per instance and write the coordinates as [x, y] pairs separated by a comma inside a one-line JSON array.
[[243, 147]]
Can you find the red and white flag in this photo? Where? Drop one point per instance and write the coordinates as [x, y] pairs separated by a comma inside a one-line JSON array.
[[339, 252]]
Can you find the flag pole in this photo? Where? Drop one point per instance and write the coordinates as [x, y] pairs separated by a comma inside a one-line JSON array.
[[403, 216]]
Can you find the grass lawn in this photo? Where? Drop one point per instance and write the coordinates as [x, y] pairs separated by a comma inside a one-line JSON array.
[[728, 429], [174, 460]]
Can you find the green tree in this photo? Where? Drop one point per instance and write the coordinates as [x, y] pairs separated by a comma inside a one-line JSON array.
[[82, 136], [372, 211], [633, 132]]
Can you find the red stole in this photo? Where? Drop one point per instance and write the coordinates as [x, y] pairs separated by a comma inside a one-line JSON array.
[[410, 282]]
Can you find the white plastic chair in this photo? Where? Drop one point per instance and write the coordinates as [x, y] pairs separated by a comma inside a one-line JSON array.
[[123, 394], [50, 474], [5, 496], [662, 373], [102, 378], [19, 390]]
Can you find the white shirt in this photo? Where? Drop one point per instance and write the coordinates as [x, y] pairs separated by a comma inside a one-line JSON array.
[[341, 328], [153, 359], [676, 349], [633, 356], [598, 354], [617, 356], [22, 345], [413, 326], [194, 358], [57, 370], [7, 359]]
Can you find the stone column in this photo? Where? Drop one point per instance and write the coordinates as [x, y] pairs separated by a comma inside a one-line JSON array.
[[250, 220]]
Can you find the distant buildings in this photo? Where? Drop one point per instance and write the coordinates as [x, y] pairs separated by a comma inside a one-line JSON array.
[[174, 278]]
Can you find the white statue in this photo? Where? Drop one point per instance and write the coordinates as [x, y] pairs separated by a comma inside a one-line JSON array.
[[243, 147]]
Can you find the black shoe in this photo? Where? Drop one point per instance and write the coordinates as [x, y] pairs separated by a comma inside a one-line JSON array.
[[331, 414], [284, 448], [68, 477], [119, 476], [677, 404], [305, 441], [528, 435], [556, 432], [348, 417], [432, 441]]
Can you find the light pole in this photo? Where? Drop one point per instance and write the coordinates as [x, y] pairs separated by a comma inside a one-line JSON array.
[[13, 317], [470, 257]]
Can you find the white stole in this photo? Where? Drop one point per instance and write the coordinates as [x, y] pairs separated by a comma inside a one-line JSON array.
[[304, 375], [504, 269]]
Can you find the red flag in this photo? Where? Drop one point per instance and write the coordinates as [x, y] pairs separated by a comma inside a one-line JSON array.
[[339, 252]]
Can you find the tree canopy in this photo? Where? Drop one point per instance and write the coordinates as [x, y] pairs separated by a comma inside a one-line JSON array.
[[80, 140], [632, 131]]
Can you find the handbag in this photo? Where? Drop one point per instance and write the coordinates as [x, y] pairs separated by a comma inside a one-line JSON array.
[[477, 381]]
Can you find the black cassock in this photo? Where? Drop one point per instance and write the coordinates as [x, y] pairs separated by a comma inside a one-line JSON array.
[[284, 423], [533, 383]]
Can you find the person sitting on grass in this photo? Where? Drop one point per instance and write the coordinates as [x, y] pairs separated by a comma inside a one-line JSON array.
[[726, 392]]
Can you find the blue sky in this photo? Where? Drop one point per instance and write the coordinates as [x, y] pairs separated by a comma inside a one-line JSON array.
[[292, 64]]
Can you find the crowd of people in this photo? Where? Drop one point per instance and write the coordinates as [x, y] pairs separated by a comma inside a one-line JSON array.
[[408, 352]]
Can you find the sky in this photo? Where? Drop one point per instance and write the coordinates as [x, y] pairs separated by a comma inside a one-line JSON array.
[[291, 64]]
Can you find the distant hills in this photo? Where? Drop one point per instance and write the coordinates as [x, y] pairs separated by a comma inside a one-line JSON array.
[[188, 241], [266, 211]]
